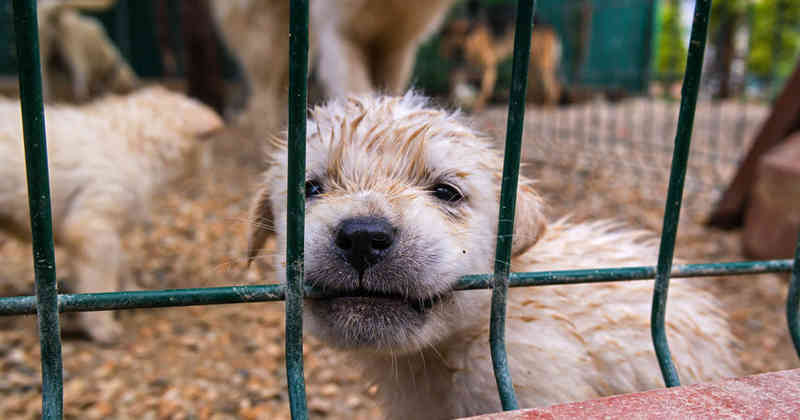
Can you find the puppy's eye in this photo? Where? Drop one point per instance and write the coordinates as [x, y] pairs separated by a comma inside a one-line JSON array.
[[313, 188], [446, 192]]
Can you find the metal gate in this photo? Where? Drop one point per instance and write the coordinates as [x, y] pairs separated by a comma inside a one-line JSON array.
[[48, 303]]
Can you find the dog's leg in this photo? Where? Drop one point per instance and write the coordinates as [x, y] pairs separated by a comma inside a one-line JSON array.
[[392, 70], [96, 255], [342, 67], [551, 88], [45, 43], [80, 67], [487, 85], [80, 80], [536, 87]]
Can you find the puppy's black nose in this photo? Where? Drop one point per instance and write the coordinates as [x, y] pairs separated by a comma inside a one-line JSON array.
[[363, 241]]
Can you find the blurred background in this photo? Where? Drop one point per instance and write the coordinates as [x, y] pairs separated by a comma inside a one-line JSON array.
[[619, 68]]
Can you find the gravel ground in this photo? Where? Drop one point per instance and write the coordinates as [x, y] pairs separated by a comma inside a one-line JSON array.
[[226, 362]]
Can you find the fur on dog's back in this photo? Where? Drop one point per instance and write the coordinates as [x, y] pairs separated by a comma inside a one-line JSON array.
[[564, 343], [122, 146], [106, 160]]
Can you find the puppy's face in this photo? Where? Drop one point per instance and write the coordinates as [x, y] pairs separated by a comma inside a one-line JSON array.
[[401, 201]]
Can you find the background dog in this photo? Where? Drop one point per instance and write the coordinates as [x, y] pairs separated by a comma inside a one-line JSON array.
[[402, 200], [94, 64], [355, 46], [480, 42], [365, 45], [107, 159]]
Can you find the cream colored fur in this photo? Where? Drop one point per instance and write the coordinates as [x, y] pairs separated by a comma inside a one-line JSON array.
[[363, 45], [383, 157], [258, 31], [106, 161], [356, 45], [94, 63]]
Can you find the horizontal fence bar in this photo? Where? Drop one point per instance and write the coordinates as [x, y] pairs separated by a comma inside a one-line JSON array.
[[84, 302], [793, 300]]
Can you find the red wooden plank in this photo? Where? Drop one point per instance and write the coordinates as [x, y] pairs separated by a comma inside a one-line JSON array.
[[773, 395]]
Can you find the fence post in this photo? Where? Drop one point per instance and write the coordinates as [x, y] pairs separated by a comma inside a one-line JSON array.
[[30, 86], [680, 158], [508, 199], [298, 66]]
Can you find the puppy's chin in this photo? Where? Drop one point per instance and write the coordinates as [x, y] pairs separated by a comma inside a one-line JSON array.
[[374, 323]]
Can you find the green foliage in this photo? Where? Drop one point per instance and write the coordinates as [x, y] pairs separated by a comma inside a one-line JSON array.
[[775, 38], [670, 46]]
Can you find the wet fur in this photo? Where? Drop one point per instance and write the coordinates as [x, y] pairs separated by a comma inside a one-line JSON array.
[[378, 156]]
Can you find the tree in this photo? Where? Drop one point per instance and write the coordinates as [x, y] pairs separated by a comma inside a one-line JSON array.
[[727, 16]]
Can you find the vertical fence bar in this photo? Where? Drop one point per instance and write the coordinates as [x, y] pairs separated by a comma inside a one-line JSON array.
[[680, 157], [30, 85], [295, 220], [793, 300], [508, 199]]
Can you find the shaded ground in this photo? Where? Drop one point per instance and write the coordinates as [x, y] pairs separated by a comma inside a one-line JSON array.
[[226, 362]]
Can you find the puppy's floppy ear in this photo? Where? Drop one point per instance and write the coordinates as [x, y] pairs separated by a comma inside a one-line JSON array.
[[529, 219], [261, 224]]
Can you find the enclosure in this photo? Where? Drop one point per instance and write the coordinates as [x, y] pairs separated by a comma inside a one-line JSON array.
[[596, 158]]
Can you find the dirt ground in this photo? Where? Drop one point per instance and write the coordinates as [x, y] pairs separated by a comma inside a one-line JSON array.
[[226, 362]]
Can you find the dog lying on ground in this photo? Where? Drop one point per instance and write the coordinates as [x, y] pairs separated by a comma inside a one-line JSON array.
[[107, 159], [356, 46], [80, 42], [479, 44], [402, 200]]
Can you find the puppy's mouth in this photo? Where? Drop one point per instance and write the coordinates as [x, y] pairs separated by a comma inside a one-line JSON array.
[[383, 306], [366, 296], [367, 319]]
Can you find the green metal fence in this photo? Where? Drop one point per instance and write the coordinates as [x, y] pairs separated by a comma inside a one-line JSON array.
[[47, 303]]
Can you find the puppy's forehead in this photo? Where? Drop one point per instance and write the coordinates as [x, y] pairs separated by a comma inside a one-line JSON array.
[[367, 139]]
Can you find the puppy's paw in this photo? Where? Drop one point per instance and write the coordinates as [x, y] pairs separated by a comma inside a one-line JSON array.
[[101, 327]]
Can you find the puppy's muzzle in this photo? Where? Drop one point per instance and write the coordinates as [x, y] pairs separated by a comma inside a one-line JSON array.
[[364, 241]]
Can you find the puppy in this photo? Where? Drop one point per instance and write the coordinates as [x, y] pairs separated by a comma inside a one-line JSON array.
[[94, 63], [480, 44], [402, 200], [356, 46], [106, 161]]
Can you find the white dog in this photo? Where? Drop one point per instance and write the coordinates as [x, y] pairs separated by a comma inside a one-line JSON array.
[[106, 161], [402, 200]]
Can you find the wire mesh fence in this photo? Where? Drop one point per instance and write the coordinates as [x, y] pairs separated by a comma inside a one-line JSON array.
[[623, 128]]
